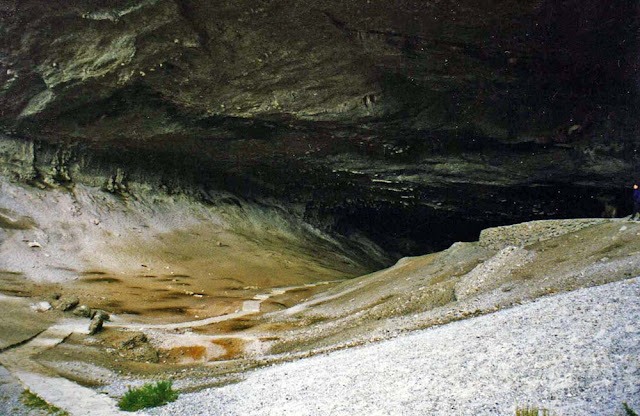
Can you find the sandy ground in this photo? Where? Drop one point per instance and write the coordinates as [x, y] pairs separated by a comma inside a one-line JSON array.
[[156, 258], [20, 321], [574, 354]]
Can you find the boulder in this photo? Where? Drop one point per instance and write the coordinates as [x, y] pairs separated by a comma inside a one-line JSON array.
[[83, 311], [66, 303], [96, 323], [100, 312]]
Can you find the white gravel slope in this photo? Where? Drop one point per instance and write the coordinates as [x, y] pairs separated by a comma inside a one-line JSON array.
[[575, 354]]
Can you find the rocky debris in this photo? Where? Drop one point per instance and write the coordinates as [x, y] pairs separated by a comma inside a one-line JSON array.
[[145, 353], [66, 303], [83, 311], [523, 234], [97, 320], [137, 347], [134, 340], [493, 272]]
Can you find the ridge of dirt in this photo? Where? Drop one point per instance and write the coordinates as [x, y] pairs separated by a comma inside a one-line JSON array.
[[527, 233]]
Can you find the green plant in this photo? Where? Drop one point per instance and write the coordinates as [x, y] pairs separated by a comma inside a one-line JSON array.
[[149, 395], [33, 401], [628, 411], [531, 411]]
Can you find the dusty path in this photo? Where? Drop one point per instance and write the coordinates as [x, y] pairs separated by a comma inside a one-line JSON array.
[[249, 307], [576, 353], [58, 391], [305, 305]]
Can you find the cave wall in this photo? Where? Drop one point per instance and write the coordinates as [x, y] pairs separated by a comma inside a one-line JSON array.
[[416, 123]]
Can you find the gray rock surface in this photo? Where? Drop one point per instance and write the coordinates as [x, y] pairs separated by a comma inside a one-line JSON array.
[[574, 354]]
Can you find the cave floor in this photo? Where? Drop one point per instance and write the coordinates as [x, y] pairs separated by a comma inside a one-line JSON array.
[[202, 304]]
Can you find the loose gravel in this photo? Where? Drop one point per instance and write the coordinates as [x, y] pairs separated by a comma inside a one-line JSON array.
[[576, 353]]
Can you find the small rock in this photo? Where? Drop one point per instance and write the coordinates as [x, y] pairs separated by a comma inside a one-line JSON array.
[[34, 244], [134, 341], [83, 311], [66, 303], [41, 306], [96, 324], [100, 312], [508, 288]]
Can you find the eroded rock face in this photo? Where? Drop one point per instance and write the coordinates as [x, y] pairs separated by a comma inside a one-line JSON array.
[[374, 116]]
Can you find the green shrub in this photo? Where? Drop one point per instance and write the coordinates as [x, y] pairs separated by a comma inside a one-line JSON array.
[[531, 411], [149, 395], [35, 402], [628, 411]]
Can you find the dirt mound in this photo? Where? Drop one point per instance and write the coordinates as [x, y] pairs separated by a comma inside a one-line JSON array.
[[531, 232]]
